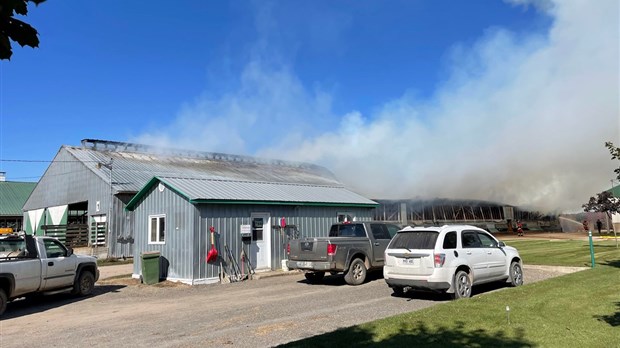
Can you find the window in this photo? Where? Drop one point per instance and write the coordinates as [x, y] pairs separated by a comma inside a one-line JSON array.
[[487, 241], [414, 240], [470, 240], [345, 217], [157, 229], [392, 229], [54, 248], [347, 230], [257, 228], [379, 231], [449, 241]]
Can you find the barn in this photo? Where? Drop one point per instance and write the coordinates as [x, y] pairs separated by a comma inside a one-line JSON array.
[[167, 200], [13, 195]]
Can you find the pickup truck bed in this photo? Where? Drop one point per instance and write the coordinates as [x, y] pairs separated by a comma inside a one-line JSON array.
[[352, 248], [31, 265]]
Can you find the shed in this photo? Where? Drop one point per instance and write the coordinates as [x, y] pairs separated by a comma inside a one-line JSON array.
[[273, 212]]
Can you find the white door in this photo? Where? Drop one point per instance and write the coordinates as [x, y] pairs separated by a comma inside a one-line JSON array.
[[475, 254], [260, 248], [58, 269]]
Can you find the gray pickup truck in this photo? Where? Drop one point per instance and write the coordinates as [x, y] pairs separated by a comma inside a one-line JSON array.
[[31, 265], [353, 248]]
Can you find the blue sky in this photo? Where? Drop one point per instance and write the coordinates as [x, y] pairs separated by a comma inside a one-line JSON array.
[[507, 101]]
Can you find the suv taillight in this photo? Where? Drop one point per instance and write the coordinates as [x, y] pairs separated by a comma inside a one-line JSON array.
[[331, 249], [288, 248], [439, 260]]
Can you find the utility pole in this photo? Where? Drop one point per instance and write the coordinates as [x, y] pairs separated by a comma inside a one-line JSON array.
[[612, 197]]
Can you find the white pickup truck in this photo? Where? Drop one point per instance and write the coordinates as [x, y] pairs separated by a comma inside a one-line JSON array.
[[31, 265]]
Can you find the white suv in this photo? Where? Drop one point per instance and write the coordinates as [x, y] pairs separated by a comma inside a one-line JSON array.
[[450, 259]]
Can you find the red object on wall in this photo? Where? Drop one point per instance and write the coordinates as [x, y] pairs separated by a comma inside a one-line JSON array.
[[212, 255], [282, 222]]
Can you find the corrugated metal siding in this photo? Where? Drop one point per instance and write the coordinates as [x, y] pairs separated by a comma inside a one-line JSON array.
[[227, 219], [122, 229], [187, 232], [68, 181], [180, 238]]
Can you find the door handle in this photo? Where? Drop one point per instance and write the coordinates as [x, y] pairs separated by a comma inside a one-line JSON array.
[[51, 263], [468, 252], [376, 243]]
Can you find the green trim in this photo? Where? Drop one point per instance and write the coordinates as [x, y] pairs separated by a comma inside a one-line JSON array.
[[313, 204], [131, 205]]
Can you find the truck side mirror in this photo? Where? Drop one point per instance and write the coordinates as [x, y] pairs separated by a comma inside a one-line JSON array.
[[69, 252], [501, 244]]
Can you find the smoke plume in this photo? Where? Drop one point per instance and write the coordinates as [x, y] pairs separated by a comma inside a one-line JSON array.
[[521, 120]]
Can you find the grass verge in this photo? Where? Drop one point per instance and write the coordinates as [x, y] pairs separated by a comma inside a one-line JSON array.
[[576, 310], [565, 252]]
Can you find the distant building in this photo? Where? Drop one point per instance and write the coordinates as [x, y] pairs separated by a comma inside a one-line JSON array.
[[13, 195], [491, 216], [167, 200]]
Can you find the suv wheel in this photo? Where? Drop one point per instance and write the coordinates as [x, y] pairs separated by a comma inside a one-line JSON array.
[[462, 285], [314, 277], [516, 274], [357, 273]]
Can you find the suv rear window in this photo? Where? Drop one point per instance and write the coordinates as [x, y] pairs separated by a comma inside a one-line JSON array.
[[414, 240]]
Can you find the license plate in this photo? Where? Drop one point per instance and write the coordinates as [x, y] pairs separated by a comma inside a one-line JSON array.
[[409, 262], [304, 264], [306, 246]]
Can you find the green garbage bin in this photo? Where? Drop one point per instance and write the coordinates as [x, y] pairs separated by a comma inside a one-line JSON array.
[[150, 267]]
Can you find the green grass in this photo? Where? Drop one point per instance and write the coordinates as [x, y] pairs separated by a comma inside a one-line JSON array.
[[576, 310], [565, 252]]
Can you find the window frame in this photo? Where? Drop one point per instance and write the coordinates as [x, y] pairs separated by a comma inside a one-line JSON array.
[[445, 240], [486, 235], [346, 217], [158, 235], [475, 235], [62, 249]]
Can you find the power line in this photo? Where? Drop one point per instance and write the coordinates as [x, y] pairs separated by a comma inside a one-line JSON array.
[[44, 161]]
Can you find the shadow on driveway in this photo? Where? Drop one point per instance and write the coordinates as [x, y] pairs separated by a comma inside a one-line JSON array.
[[338, 279], [41, 303]]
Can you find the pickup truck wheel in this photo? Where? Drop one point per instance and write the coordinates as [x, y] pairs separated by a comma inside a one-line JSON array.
[[3, 301], [516, 274], [462, 285], [314, 277], [356, 274], [84, 284]]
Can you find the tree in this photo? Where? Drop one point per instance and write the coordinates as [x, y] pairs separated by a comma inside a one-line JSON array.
[[12, 29], [605, 202], [615, 155]]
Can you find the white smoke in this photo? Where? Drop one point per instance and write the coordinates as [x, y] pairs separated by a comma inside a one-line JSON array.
[[521, 120]]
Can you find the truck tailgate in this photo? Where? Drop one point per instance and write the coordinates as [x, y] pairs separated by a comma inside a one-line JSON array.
[[309, 249]]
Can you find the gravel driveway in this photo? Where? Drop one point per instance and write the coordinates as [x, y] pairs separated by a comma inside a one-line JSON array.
[[255, 313]]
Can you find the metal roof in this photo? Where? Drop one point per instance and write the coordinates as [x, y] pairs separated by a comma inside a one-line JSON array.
[[13, 196], [209, 177], [254, 192], [132, 170]]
